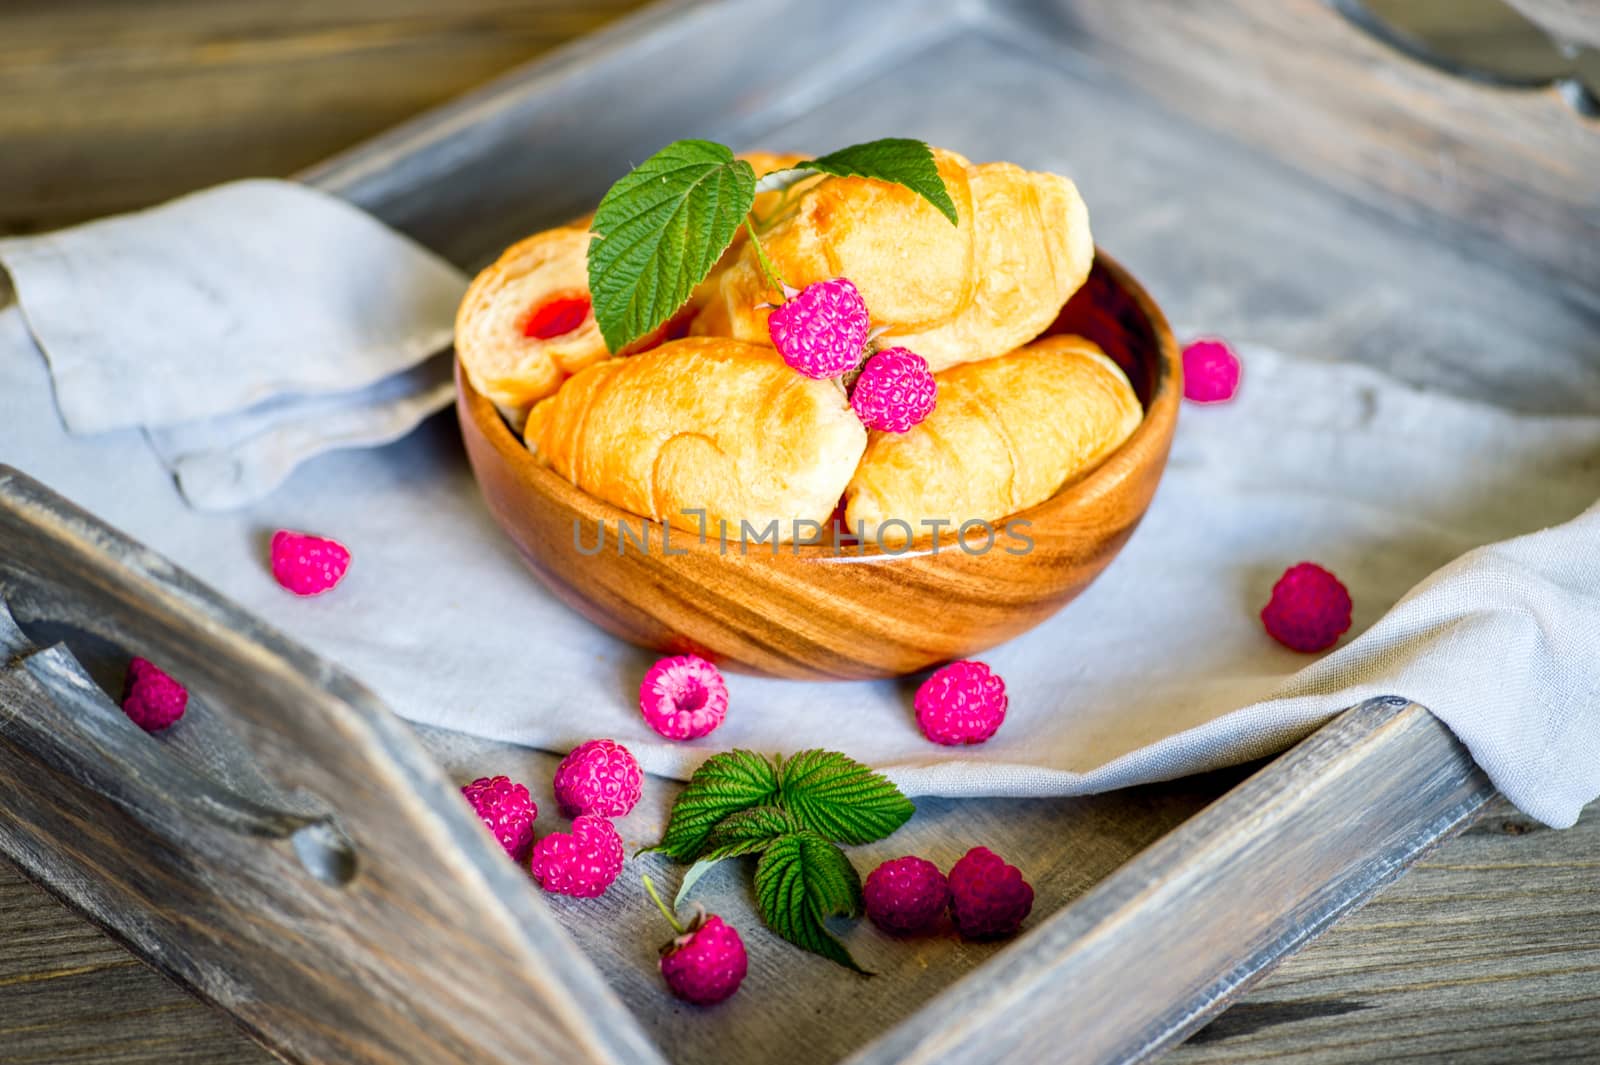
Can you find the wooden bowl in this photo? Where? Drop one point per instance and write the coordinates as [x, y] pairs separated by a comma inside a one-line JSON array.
[[810, 612]]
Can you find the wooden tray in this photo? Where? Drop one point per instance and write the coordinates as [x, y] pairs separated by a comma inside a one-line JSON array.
[[299, 857]]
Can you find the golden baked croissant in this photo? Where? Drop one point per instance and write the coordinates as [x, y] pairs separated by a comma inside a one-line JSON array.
[[909, 263], [950, 293], [525, 324], [1006, 434], [703, 424]]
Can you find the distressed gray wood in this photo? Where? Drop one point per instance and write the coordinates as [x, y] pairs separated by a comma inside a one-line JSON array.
[[1163, 942], [1417, 144], [1488, 951], [1488, 947], [1199, 178], [423, 946]]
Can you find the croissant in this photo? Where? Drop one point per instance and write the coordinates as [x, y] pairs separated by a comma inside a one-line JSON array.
[[1007, 433], [525, 324], [950, 293], [909, 263], [703, 424]]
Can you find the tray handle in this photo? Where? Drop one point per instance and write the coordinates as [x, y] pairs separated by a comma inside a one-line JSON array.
[[50, 706]]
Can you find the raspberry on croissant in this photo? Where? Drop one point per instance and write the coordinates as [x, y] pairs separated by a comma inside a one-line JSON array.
[[1007, 433], [909, 263], [703, 424], [950, 293]]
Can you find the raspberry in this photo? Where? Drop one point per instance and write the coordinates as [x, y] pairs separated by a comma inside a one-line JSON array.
[[1210, 371], [964, 702], [683, 698], [581, 863], [151, 698], [706, 962], [307, 565], [598, 777], [821, 331], [1309, 609], [895, 391], [507, 809], [905, 895], [988, 898]]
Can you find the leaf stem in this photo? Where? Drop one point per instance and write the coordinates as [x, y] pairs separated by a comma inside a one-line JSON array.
[[765, 222], [773, 277], [671, 917]]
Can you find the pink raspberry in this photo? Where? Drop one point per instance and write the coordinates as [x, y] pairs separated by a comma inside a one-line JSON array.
[[895, 391], [1210, 371], [507, 809], [905, 895], [306, 564], [599, 777], [963, 702], [1309, 609], [151, 698], [705, 962], [581, 863], [821, 331], [988, 898], [684, 697]]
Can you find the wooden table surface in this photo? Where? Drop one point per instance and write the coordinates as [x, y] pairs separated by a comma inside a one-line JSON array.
[[1488, 951]]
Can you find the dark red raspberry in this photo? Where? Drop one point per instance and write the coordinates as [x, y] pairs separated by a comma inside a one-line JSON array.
[[905, 895], [988, 898], [151, 698], [1309, 609]]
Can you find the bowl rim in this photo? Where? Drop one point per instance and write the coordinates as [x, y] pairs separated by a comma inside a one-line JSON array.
[[1148, 442]]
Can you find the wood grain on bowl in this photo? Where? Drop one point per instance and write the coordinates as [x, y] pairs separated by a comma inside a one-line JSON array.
[[810, 611]]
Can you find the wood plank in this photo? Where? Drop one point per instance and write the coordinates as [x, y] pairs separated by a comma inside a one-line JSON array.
[[1573, 21], [69, 993], [1485, 169], [422, 945], [1487, 951], [1161, 944], [107, 109], [1466, 956]]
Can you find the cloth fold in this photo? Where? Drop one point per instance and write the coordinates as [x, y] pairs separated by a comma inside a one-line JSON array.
[[248, 327]]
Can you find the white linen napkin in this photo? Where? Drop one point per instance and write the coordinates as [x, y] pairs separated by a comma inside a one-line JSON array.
[[248, 327], [1142, 678]]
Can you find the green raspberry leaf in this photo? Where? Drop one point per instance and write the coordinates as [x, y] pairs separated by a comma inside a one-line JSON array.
[[744, 832], [897, 159], [840, 798], [801, 880], [748, 831], [661, 230], [725, 784]]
